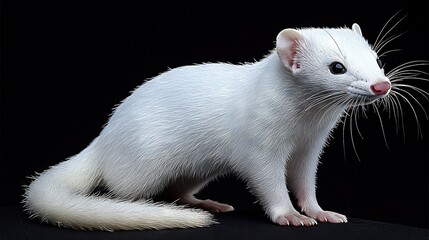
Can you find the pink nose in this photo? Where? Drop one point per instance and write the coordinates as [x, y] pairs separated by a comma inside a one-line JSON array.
[[380, 88]]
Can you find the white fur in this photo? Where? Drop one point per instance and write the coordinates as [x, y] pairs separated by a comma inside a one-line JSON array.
[[193, 123]]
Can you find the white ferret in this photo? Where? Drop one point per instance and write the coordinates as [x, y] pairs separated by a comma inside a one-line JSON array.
[[265, 122]]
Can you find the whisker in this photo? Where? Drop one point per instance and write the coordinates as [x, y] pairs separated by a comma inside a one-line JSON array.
[[392, 109], [409, 94], [400, 112], [358, 106], [346, 115], [339, 49], [321, 100], [318, 98], [356, 121], [381, 124], [405, 74], [387, 41], [407, 69], [411, 64], [389, 51], [417, 89], [382, 40], [408, 78], [329, 108], [419, 134], [351, 136], [364, 111], [382, 29], [407, 65]]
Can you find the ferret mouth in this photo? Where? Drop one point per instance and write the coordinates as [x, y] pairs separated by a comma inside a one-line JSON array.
[[359, 99], [360, 94]]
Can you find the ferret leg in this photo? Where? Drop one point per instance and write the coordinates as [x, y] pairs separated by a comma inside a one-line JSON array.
[[266, 180], [301, 176]]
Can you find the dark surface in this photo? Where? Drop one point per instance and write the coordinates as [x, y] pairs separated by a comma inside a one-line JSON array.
[[65, 64], [235, 225]]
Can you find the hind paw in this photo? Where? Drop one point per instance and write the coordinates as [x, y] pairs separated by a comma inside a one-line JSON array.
[[214, 207], [208, 205]]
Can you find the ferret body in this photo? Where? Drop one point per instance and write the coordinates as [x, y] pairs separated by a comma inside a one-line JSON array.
[[266, 122]]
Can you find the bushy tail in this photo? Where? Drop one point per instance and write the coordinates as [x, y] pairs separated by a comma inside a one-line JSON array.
[[60, 195]]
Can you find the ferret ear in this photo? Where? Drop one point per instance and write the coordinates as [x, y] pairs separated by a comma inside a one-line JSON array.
[[356, 29], [286, 46]]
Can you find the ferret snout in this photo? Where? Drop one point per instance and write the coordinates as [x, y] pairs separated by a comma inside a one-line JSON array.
[[381, 88]]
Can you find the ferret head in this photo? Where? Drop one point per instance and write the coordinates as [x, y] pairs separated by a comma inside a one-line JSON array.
[[336, 61]]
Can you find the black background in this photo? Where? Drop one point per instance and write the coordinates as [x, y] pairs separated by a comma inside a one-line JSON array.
[[64, 65]]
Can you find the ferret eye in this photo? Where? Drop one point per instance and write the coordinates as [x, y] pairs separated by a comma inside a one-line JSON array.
[[380, 63], [337, 68]]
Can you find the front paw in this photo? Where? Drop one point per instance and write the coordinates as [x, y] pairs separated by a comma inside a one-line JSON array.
[[295, 219], [328, 217]]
